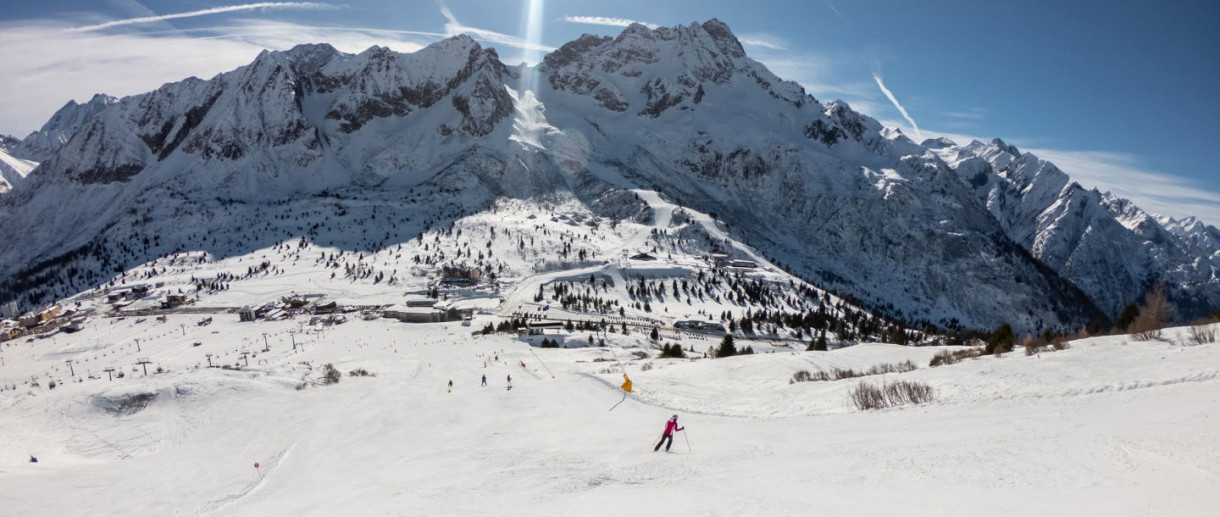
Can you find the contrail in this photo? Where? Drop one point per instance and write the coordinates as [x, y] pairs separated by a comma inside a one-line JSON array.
[[604, 20], [894, 100], [204, 12]]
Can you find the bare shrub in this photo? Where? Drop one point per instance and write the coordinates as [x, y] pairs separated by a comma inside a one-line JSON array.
[[330, 375], [867, 396], [360, 372], [942, 357], [1202, 332], [953, 357], [836, 374], [902, 367], [1153, 316], [1060, 343], [645, 367], [903, 392], [1034, 345], [843, 374]]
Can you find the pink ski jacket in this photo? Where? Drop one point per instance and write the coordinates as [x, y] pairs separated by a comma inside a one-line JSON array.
[[671, 426]]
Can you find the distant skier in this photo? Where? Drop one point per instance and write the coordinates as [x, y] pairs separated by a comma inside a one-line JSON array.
[[484, 380], [667, 437], [450, 385], [510, 382]]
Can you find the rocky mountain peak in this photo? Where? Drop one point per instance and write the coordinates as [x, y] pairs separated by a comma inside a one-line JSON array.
[[41, 144]]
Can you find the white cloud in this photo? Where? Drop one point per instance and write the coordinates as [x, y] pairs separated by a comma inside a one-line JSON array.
[[761, 41], [204, 12], [1127, 176], [889, 95], [607, 21], [969, 114]]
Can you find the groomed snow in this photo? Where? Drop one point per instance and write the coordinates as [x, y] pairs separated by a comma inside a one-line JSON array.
[[1108, 427]]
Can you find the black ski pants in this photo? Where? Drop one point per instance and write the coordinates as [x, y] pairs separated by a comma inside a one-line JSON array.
[[667, 439]]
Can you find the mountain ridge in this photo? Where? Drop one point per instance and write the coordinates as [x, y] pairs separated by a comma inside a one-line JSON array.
[[823, 189]]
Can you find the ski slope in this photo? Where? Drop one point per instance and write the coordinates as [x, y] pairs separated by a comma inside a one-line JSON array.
[[1107, 427]]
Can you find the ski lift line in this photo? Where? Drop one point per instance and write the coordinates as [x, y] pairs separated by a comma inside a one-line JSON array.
[[620, 363], [548, 369]]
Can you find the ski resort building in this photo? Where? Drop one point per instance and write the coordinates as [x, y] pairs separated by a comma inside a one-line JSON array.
[[408, 314], [535, 328], [175, 300], [246, 313], [460, 276]]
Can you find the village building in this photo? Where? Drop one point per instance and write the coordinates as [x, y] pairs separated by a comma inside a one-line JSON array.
[[174, 300], [9, 311]]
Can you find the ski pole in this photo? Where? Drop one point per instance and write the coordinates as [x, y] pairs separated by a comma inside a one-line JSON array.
[[686, 437]]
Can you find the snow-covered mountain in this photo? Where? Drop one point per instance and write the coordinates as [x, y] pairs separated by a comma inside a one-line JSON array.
[[246, 159], [43, 143], [1203, 239], [1106, 245], [13, 170]]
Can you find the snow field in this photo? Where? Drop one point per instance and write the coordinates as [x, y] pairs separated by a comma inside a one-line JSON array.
[[1106, 427]]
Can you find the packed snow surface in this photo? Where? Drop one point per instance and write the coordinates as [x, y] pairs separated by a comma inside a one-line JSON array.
[[1107, 427]]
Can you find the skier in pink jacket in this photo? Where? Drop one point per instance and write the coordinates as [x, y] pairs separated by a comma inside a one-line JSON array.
[[667, 437]]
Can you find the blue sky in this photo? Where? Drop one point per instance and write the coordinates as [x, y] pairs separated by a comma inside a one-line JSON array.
[[1120, 94]]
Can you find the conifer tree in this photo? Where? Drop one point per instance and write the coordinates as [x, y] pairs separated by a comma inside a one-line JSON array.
[[727, 349]]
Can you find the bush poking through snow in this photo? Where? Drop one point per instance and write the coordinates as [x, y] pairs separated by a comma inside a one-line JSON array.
[[645, 367], [903, 367], [360, 372], [330, 375], [1060, 343], [1202, 332], [866, 396], [953, 357], [1153, 316], [835, 374], [801, 376]]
